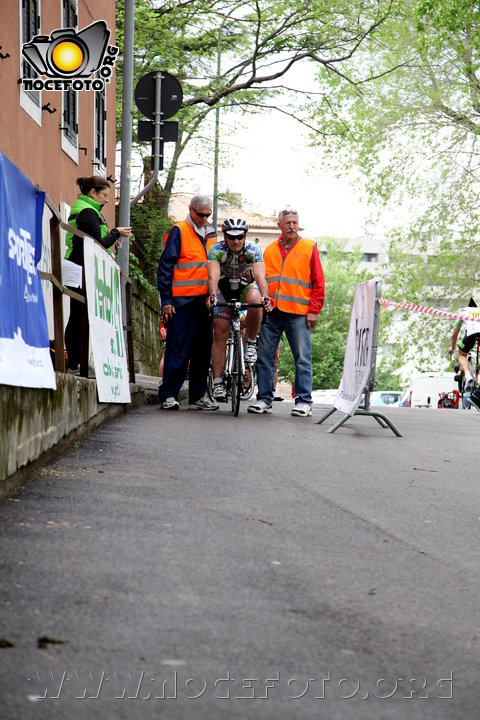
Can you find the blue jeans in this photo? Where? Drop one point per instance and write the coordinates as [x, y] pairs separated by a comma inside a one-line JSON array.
[[300, 341]]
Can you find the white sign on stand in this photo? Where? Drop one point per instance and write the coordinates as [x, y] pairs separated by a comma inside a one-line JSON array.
[[360, 359], [102, 280], [358, 355]]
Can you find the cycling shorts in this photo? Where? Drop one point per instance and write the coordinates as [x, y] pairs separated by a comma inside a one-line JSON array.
[[225, 313], [468, 341]]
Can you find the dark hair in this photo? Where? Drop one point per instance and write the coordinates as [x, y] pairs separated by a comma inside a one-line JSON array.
[[96, 182]]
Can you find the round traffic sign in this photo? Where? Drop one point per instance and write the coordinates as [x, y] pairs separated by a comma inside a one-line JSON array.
[[171, 95]]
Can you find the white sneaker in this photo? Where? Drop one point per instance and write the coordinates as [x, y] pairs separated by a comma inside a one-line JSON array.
[[259, 407], [170, 404], [301, 410], [204, 404], [219, 393], [251, 353]]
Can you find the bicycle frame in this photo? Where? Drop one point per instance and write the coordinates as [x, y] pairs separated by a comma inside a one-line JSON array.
[[234, 369], [234, 328]]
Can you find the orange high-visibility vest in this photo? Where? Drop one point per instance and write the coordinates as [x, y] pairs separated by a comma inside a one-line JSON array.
[[190, 276], [289, 280]]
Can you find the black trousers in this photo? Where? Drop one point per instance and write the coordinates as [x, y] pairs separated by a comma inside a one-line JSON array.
[[73, 332], [189, 339]]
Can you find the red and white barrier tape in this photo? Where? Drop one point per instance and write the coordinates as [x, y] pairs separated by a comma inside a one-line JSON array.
[[427, 310]]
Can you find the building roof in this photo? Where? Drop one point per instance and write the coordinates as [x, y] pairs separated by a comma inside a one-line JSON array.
[[178, 210]]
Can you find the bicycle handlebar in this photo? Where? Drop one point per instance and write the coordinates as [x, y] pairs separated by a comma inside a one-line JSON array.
[[243, 306]]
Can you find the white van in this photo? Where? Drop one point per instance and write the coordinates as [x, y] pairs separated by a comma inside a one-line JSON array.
[[426, 388]]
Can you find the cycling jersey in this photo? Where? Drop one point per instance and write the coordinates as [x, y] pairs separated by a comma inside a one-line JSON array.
[[235, 264], [472, 325]]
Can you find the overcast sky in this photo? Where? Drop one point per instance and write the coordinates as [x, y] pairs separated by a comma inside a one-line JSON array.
[[271, 167], [266, 159]]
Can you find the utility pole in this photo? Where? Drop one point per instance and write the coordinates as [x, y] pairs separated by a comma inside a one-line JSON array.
[[126, 149], [217, 137], [217, 124]]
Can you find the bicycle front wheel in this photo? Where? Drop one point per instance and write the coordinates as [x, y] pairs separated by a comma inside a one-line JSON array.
[[210, 384], [248, 381], [237, 375]]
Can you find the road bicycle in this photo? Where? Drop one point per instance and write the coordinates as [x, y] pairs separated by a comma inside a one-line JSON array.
[[473, 358], [238, 376]]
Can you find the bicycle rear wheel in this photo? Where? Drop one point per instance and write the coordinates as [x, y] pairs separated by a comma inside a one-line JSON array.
[[237, 375]]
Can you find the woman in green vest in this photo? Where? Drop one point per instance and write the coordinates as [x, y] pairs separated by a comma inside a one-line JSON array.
[[86, 216]]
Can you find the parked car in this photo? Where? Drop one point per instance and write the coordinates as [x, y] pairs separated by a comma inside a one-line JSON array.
[[324, 397], [383, 398], [427, 388]]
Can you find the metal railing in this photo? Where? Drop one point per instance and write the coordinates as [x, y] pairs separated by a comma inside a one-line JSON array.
[[59, 290]]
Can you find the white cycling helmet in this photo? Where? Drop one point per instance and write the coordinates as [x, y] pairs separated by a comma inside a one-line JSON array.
[[235, 226]]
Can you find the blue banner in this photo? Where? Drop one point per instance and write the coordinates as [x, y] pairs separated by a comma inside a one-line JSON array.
[[24, 342]]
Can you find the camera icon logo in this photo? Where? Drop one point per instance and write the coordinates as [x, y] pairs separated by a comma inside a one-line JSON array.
[[67, 53]]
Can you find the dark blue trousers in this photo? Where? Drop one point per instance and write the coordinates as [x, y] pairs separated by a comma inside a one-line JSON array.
[[189, 338]]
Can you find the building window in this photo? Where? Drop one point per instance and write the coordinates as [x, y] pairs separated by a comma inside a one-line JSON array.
[[100, 134], [30, 100], [69, 99], [370, 257], [70, 126], [70, 13]]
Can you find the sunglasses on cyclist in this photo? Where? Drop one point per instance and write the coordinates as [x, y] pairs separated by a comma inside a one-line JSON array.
[[235, 237], [202, 215]]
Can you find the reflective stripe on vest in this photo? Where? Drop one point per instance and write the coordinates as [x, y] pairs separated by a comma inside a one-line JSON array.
[[289, 279], [190, 276]]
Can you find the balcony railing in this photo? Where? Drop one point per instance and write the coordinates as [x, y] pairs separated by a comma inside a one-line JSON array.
[[59, 290]]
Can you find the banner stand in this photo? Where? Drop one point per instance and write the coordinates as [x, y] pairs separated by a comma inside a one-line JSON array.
[[382, 420]]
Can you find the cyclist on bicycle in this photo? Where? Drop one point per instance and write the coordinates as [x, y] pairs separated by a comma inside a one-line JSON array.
[[235, 272], [470, 337]]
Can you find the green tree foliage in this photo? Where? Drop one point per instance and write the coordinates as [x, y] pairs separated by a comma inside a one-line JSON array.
[[259, 43], [409, 119]]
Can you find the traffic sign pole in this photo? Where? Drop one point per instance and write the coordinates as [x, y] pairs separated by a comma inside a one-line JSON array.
[[157, 116], [157, 159], [158, 95], [126, 151]]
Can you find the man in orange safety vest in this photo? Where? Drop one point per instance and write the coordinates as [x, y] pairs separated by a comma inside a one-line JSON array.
[[297, 285], [182, 281]]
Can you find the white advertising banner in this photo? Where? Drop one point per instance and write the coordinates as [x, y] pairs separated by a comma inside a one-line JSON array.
[[356, 366], [102, 282]]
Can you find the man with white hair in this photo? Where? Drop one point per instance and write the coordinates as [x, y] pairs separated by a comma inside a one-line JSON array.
[[296, 285], [182, 280]]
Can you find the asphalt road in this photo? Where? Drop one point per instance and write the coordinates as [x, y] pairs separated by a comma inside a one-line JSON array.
[[196, 565]]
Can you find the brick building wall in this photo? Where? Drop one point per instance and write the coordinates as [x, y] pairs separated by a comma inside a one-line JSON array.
[[30, 135]]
